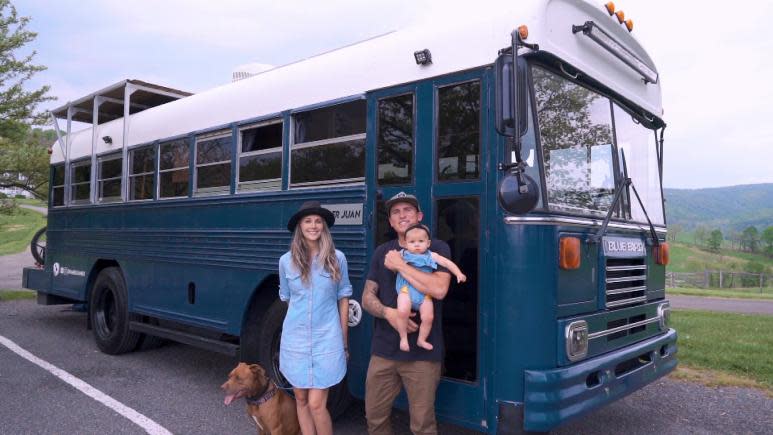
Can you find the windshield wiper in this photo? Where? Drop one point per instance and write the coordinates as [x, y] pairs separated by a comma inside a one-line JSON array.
[[618, 192]]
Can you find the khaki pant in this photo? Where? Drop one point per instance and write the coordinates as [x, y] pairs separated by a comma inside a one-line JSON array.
[[382, 385]]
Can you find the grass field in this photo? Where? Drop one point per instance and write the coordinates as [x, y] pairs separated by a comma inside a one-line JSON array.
[[686, 258], [17, 230], [12, 295], [730, 345], [748, 294]]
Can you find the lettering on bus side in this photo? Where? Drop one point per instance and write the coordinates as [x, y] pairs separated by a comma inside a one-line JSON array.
[[346, 214]]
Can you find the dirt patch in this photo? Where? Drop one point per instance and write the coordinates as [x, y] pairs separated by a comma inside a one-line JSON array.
[[714, 378]]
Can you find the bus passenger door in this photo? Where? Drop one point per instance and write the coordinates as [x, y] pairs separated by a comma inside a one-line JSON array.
[[426, 140]]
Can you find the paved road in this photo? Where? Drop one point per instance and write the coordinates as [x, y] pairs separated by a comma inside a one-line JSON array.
[[177, 387], [11, 269], [43, 210], [747, 306], [11, 265]]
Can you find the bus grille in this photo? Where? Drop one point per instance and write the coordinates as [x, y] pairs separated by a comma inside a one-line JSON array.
[[626, 282]]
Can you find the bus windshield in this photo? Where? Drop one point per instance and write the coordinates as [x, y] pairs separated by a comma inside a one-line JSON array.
[[581, 158]]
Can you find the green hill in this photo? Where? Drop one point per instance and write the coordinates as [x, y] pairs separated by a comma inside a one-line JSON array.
[[732, 208]]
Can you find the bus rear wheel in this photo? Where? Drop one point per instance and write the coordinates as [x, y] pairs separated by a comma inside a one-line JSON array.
[[338, 398], [109, 313]]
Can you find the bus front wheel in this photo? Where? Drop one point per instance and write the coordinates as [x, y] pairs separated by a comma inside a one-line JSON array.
[[338, 398], [109, 312]]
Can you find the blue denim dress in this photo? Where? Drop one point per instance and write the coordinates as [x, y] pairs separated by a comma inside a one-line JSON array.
[[423, 262], [311, 353]]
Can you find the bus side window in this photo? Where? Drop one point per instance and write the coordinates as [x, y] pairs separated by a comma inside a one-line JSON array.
[[80, 184], [57, 187], [173, 168], [458, 224], [142, 173], [260, 157], [213, 163], [109, 178], [329, 145]]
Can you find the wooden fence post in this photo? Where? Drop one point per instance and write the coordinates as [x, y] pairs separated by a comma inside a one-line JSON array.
[[705, 278]]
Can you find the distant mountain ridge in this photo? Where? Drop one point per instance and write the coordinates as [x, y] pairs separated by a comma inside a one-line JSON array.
[[727, 208]]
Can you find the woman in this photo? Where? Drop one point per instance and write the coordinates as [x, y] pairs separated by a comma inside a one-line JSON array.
[[313, 277]]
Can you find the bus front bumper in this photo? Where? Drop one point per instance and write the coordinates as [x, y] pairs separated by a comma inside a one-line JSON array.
[[555, 396]]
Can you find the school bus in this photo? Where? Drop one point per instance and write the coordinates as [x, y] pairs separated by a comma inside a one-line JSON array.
[[532, 137]]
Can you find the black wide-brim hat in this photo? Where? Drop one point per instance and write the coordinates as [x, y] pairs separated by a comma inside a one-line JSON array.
[[311, 207]]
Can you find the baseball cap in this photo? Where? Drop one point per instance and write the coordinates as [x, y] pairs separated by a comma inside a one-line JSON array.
[[402, 197]]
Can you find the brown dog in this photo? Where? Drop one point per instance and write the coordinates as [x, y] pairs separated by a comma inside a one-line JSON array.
[[272, 409]]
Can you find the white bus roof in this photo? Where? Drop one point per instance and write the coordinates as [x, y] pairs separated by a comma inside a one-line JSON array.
[[456, 44]]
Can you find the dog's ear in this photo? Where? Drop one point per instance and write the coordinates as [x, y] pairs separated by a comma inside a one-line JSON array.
[[257, 369]]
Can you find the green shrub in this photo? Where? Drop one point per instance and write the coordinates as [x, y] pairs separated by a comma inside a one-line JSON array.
[[8, 207], [20, 196]]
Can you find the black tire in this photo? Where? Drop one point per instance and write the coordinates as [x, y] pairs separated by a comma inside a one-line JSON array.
[[270, 335], [38, 246], [109, 313]]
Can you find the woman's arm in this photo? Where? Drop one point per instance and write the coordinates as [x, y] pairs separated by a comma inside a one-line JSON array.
[[343, 313]]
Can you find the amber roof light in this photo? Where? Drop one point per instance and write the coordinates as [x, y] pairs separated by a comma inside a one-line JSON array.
[[523, 31], [620, 16], [629, 24], [610, 7]]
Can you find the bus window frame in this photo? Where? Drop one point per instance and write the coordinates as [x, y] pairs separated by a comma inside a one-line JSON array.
[[107, 157], [414, 116], [156, 149], [216, 190], [263, 185]]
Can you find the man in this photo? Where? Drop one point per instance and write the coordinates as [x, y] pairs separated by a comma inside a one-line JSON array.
[[418, 370]]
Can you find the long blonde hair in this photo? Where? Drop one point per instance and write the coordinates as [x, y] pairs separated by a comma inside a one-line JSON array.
[[301, 254]]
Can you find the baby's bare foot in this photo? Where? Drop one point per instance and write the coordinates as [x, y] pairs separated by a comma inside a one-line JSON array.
[[404, 346], [424, 344]]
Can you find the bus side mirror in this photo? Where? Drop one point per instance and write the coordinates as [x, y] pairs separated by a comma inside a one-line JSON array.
[[505, 95]]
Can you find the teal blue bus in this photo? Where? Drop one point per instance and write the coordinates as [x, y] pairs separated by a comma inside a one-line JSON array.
[[532, 137]]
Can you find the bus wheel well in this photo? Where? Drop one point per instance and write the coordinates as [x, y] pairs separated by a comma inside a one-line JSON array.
[[98, 266], [262, 297]]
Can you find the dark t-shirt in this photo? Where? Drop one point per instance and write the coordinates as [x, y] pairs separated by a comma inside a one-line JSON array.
[[386, 340]]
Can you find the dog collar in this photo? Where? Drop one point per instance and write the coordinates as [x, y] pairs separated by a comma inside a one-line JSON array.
[[265, 397]]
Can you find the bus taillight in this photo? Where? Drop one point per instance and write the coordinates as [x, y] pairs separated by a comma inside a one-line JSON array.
[[569, 253]]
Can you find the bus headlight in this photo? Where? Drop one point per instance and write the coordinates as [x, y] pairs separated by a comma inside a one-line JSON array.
[[577, 340], [664, 315]]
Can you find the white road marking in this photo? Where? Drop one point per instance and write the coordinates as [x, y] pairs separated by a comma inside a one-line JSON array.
[[140, 420]]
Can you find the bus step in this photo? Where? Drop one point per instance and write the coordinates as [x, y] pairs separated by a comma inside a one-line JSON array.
[[186, 338]]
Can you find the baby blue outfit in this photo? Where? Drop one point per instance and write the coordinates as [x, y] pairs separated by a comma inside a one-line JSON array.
[[311, 353], [423, 262]]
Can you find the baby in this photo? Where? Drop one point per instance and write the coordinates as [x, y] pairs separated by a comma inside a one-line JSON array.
[[417, 254]]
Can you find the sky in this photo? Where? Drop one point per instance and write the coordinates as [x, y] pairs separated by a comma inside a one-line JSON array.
[[715, 61]]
